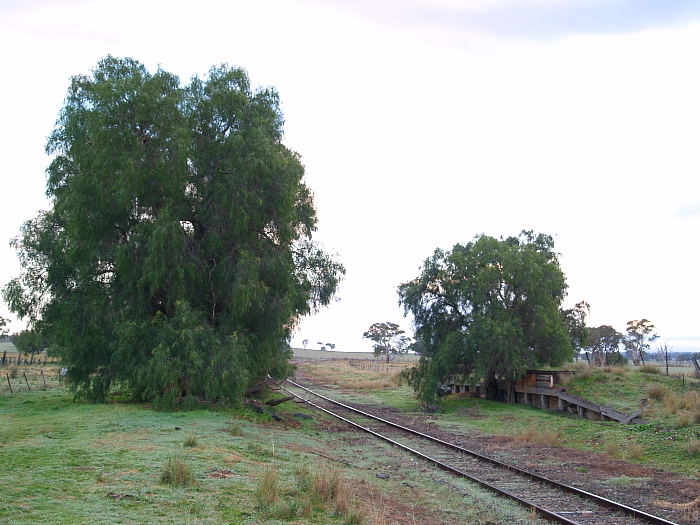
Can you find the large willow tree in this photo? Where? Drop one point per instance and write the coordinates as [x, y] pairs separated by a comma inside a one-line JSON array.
[[177, 255], [488, 310]]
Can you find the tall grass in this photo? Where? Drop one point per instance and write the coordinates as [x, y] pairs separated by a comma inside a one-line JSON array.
[[550, 438], [636, 451], [316, 489], [267, 489], [177, 472]]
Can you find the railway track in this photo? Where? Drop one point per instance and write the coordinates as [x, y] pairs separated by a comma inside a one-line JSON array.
[[553, 501]]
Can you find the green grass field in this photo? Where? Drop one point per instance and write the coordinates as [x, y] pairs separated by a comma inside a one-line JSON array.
[[6, 346], [73, 463], [69, 462], [301, 353]]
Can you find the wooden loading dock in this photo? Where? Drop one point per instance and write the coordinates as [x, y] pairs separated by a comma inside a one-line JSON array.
[[537, 389]]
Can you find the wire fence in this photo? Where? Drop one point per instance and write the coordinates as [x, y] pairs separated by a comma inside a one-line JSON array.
[[15, 378]]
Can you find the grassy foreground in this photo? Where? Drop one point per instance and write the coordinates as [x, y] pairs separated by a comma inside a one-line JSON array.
[[67, 462], [71, 463]]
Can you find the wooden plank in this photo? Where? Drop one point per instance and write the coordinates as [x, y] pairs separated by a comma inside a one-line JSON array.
[[695, 364], [630, 418], [581, 403]]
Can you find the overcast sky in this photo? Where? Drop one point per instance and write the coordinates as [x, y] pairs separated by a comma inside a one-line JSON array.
[[423, 123]]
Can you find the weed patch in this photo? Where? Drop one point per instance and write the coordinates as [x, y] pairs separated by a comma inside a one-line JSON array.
[[692, 448], [612, 448], [550, 438], [627, 482], [636, 451], [177, 472]]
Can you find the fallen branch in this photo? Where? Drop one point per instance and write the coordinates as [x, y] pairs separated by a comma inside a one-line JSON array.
[[278, 401]]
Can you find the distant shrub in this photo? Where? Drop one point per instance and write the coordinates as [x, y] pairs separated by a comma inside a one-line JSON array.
[[649, 369], [617, 359], [191, 441]]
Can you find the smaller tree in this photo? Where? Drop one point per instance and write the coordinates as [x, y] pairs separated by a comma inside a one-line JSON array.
[[639, 338], [30, 342], [331, 345], [603, 341], [3, 328], [387, 338], [305, 342]]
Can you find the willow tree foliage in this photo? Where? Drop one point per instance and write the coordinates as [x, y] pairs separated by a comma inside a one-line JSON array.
[[177, 256], [488, 310]]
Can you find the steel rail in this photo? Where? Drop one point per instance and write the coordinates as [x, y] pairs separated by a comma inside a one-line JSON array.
[[604, 502], [443, 466]]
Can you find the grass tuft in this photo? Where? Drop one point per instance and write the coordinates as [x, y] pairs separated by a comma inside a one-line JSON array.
[[692, 447], [627, 482], [656, 391], [612, 448], [550, 438], [177, 472], [636, 451], [267, 489], [234, 428]]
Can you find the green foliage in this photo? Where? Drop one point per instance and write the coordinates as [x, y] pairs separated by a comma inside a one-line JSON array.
[[603, 342], [617, 359], [177, 256], [388, 338], [639, 338], [489, 309], [29, 342]]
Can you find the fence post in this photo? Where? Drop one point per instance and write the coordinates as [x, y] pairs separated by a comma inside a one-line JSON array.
[[8, 382], [26, 381]]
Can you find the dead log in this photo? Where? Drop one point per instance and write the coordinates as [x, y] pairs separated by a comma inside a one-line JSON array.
[[258, 407], [278, 401], [255, 389]]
